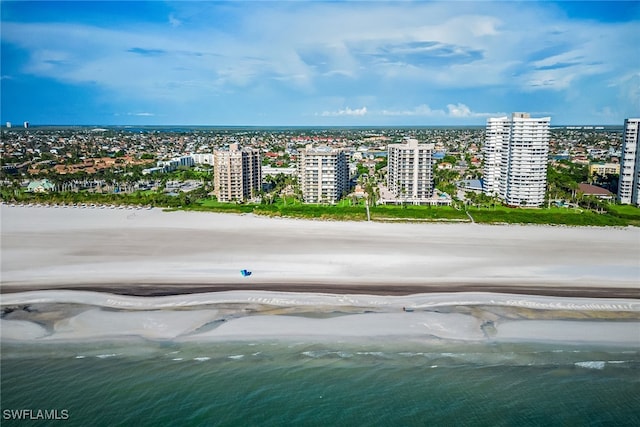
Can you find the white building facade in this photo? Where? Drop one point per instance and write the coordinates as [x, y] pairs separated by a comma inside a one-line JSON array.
[[629, 182], [237, 174], [323, 174], [203, 158], [516, 152], [410, 171]]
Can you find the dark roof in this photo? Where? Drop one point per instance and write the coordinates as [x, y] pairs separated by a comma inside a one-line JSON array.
[[588, 189]]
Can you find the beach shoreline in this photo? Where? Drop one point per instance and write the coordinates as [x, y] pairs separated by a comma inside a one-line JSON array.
[[381, 289], [71, 274]]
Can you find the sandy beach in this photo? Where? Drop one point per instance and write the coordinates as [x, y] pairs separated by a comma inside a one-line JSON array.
[[72, 274], [138, 250]]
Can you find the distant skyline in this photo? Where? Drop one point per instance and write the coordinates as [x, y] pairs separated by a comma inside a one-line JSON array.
[[339, 63]]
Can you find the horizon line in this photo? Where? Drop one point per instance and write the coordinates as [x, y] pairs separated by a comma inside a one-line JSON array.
[[19, 126]]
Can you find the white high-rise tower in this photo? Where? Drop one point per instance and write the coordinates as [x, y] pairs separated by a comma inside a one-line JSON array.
[[515, 155], [629, 181], [410, 171], [323, 174]]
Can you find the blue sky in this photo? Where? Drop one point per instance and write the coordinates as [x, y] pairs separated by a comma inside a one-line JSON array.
[[318, 63]]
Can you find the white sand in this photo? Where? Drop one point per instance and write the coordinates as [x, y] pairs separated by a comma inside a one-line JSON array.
[[315, 301], [50, 246], [21, 330], [419, 325], [163, 325]]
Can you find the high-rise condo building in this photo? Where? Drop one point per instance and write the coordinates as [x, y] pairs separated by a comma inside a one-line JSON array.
[[410, 171], [515, 159], [236, 174], [629, 182], [323, 174]]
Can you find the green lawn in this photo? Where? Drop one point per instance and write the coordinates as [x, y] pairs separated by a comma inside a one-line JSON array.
[[560, 216], [342, 211], [627, 211], [427, 213], [213, 205]]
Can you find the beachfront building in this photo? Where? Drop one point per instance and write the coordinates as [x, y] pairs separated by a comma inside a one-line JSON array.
[[515, 153], [629, 182], [410, 171], [323, 174], [236, 174], [41, 186]]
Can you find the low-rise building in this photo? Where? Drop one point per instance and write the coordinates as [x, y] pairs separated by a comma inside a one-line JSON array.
[[604, 169], [271, 171], [594, 190], [41, 186]]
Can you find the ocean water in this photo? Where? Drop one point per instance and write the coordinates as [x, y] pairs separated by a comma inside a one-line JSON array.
[[343, 384]]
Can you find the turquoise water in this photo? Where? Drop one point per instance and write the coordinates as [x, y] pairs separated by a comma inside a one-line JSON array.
[[369, 383]]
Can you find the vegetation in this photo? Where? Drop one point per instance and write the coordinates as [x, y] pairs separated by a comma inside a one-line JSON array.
[[554, 215], [563, 180], [290, 206], [630, 214], [445, 180]]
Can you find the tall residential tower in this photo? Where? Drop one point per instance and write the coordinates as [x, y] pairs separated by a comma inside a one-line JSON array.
[[629, 182], [237, 174], [323, 174], [515, 159], [410, 171]]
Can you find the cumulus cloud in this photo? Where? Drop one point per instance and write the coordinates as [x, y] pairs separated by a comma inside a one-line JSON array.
[[393, 51], [346, 112], [421, 110]]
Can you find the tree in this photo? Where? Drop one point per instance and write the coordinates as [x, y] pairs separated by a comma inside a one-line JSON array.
[[372, 192]]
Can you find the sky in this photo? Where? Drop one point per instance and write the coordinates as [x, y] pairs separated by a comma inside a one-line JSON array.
[[315, 63]]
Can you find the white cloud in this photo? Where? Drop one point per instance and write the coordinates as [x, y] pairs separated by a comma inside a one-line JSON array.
[[393, 51], [346, 112], [458, 110], [141, 114], [173, 21], [421, 110]]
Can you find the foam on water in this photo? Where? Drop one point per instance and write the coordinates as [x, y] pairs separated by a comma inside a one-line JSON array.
[[236, 356], [593, 364]]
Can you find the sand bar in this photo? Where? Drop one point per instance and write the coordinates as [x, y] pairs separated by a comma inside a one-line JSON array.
[[42, 316]]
